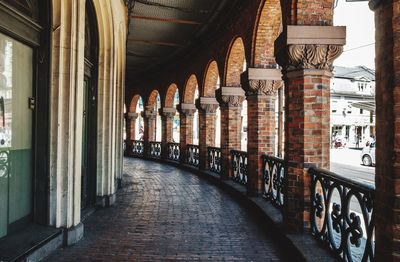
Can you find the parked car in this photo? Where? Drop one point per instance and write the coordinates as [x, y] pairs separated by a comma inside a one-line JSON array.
[[368, 154]]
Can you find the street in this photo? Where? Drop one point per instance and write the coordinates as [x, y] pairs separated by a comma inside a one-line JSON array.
[[347, 163]]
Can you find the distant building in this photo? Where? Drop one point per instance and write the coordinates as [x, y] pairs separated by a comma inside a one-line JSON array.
[[353, 104]]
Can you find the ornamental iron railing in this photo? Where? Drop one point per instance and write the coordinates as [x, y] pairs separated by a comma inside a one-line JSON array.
[[273, 179], [192, 155], [138, 148], [155, 150], [239, 166], [342, 215], [174, 152], [214, 159]]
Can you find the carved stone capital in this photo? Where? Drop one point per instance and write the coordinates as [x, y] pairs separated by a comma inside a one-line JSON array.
[[149, 114], [260, 81], [313, 56], [168, 112], [309, 47], [187, 110], [230, 96], [208, 105], [132, 116]]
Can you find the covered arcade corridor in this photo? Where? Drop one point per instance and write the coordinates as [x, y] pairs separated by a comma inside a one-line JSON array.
[[190, 129]]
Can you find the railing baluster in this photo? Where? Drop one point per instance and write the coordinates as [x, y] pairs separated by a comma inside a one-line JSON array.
[[239, 166], [214, 159], [155, 150], [273, 179], [174, 152], [193, 152], [138, 148], [342, 215]]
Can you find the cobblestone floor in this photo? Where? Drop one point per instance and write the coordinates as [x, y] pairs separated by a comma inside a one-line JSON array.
[[163, 213]]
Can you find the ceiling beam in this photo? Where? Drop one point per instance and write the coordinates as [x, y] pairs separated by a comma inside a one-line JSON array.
[[151, 42], [167, 20]]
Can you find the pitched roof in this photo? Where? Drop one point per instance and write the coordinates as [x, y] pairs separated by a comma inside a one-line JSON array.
[[355, 73]]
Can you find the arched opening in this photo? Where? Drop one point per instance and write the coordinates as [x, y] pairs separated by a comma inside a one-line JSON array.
[[89, 122], [352, 96], [190, 96], [157, 108], [139, 124], [154, 105], [176, 121], [171, 101], [218, 120], [212, 82], [196, 120], [235, 66], [268, 28], [235, 63]]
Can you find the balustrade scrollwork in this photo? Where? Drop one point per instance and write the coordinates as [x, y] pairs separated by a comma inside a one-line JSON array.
[[193, 152], [239, 166], [174, 152], [214, 159], [342, 215], [273, 179], [155, 150], [138, 148]]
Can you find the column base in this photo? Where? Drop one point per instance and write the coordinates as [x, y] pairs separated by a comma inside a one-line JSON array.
[[74, 234], [106, 201]]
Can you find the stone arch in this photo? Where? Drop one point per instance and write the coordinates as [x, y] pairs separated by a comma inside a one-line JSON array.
[[211, 79], [152, 101], [190, 89], [134, 103], [169, 97], [267, 28], [234, 63]]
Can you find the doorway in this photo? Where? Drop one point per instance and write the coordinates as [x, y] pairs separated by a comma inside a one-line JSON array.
[[89, 116]]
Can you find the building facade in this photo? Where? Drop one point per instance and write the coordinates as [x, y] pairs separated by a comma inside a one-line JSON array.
[[352, 89], [62, 70]]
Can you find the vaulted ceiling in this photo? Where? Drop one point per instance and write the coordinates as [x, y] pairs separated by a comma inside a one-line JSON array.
[[161, 30]]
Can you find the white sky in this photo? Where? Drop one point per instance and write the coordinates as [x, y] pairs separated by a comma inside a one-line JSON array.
[[359, 20]]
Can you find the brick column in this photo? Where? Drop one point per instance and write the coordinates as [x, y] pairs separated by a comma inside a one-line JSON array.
[[306, 54], [207, 108], [149, 116], [230, 99], [186, 128], [387, 177], [130, 128], [167, 116], [261, 87]]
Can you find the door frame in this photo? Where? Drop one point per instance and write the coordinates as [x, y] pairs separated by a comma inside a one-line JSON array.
[[33, 29]]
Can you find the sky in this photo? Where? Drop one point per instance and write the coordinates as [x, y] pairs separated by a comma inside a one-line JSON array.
[[359, 20]]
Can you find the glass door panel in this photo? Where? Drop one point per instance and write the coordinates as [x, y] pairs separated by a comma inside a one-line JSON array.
[[15, 132]]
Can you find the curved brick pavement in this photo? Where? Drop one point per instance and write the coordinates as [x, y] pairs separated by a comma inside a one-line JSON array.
[[163, 213]]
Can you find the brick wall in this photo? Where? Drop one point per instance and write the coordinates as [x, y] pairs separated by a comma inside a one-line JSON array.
[[268, 29], [387, 133], [211, 80], [234, 66]]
